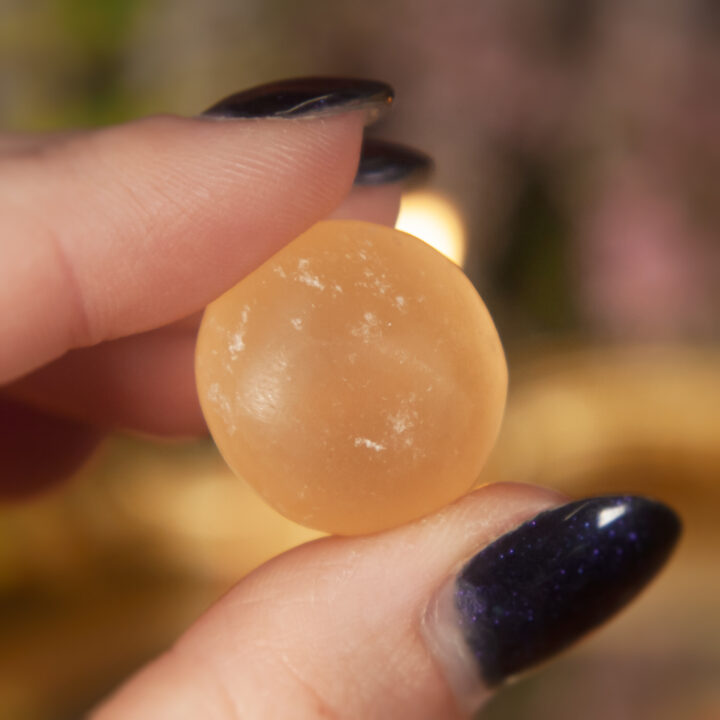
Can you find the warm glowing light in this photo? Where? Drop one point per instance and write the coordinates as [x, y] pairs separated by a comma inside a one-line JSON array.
[[434, 219], [606, 516]]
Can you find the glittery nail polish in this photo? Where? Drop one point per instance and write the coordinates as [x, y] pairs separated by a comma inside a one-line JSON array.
[[540, 587], [306, 97], [383, 162]]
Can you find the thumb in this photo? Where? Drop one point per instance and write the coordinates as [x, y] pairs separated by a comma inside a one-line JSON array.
[[400, 624], [123, 229]]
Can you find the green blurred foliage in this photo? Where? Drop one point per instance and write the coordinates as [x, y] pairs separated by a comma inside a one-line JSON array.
[[61, 63], [99, 31], [532, 280]]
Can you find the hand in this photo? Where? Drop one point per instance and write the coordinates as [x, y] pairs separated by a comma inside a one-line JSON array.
[[112, 242]]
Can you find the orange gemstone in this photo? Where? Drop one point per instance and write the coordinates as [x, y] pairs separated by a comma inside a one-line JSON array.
[[355, 380]]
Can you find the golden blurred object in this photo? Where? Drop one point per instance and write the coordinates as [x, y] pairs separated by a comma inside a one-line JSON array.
[[435, 219], [356, 380], [202, 518], [632, 419]]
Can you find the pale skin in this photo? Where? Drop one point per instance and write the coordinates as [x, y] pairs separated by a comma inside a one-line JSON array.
[[111, 243]]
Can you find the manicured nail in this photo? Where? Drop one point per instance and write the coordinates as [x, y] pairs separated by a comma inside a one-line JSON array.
[[306, 97], [542, 586], [383, 162]]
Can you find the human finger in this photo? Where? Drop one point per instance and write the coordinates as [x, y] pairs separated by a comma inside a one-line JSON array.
[[145, 382], [424, 621], [127, 228]]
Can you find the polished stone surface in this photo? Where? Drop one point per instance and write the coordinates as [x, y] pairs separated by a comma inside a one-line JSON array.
[[356, 380]]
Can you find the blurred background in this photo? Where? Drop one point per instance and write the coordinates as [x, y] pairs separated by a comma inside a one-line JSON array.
[[577, 146]]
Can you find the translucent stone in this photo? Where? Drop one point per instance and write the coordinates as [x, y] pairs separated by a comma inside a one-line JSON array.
[[355, 380]]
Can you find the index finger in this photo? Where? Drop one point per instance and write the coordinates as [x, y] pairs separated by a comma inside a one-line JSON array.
[[123, 229]]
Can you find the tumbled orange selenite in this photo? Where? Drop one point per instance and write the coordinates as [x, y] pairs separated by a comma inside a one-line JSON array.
[[355, 380]]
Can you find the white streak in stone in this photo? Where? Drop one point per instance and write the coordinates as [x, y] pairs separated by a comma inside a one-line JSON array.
[[367, 330], [237, 344], [374, 281], [304, 276], [223, 405], [237, 340], [370, 444], [401, 421]]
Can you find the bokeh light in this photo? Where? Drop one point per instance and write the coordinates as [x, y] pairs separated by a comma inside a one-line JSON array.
[[435, 219]]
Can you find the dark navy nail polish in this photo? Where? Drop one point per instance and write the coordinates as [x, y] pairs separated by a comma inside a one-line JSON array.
[[383, 162], [540, 587], [305, 97]]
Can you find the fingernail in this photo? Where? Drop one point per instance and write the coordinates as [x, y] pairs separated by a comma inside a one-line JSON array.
[[542, 586], [383, 162], [306, 97]]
